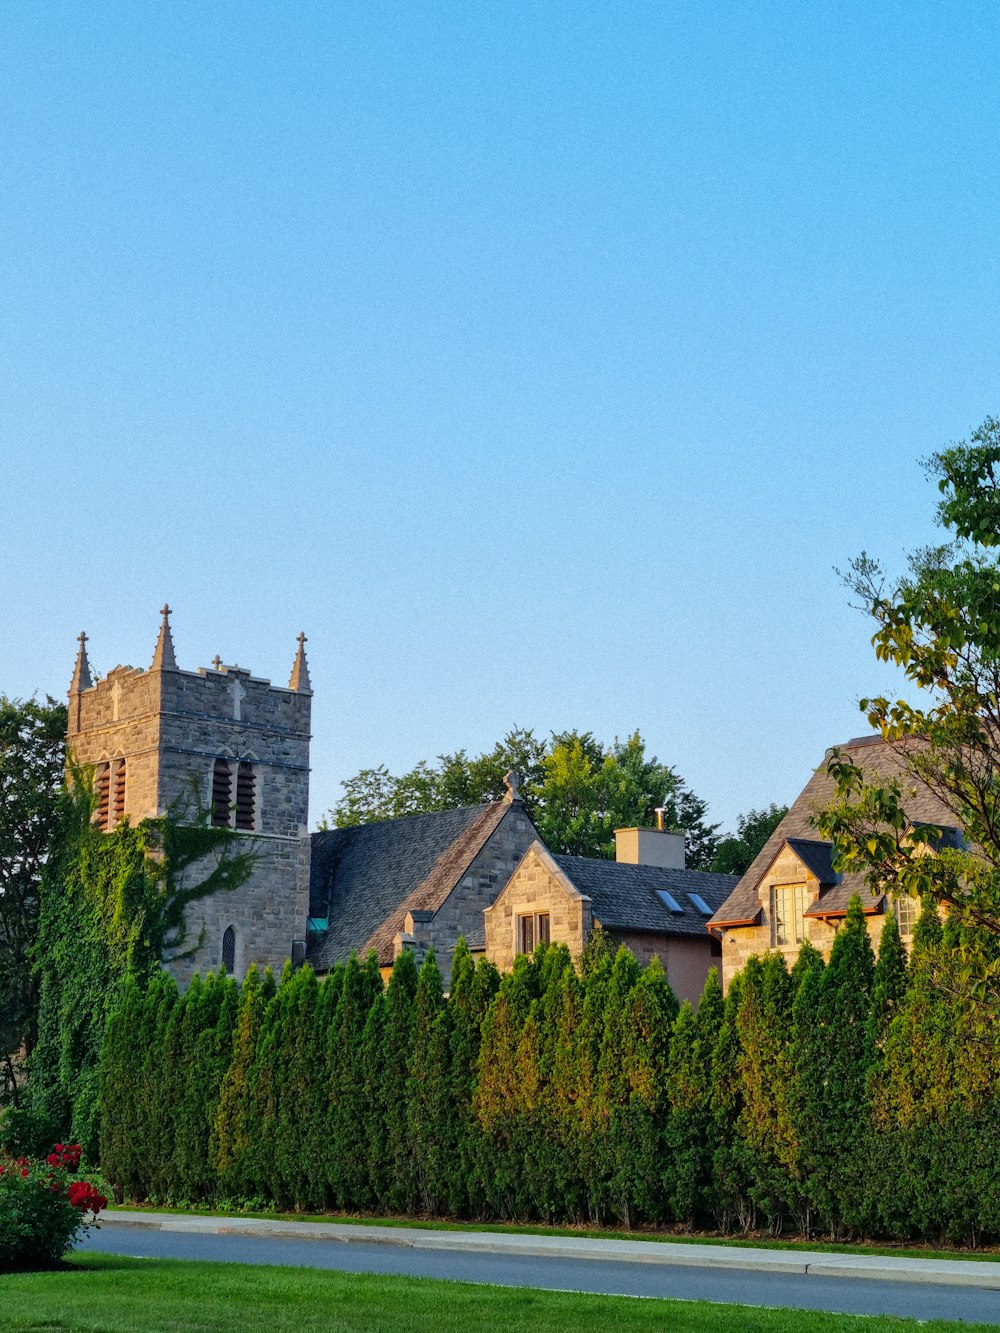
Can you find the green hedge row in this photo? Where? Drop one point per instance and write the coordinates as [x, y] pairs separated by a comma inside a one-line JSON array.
[[846, 1098]]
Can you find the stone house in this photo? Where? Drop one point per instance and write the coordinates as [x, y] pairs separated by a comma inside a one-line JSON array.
[[167, 738], [645, 899], [417, 882], [792, 893]]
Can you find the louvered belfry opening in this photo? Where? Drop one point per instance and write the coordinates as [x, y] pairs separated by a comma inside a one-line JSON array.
[[118, 792], [102, 791], [246, 797], [222, 793], [229, 950]]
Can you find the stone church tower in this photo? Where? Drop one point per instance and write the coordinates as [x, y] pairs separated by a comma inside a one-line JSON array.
[[156, 737]]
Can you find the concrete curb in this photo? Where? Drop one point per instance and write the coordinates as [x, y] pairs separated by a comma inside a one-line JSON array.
[[883, 1268]]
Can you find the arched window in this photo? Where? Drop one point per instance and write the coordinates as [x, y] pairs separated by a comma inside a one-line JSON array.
[[229, 950]]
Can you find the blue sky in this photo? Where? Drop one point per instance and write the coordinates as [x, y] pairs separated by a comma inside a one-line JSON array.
[[539, 361]]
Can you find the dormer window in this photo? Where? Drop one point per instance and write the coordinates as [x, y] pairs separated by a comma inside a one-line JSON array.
[[788, 902]]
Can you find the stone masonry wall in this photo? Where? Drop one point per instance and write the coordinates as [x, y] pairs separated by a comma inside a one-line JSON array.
[[534, 888], [686, 959], [462, 912], [740, 943], [171, 726]]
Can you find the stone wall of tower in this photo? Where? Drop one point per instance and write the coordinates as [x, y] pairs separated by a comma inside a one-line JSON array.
[[171, 726], [117, 717], [228, 714]]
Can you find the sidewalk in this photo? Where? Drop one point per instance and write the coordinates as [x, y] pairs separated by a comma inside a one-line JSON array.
[[885, 1268]]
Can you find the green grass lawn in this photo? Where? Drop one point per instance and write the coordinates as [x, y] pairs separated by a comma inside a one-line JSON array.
[[902, 1251], [107, 1293]]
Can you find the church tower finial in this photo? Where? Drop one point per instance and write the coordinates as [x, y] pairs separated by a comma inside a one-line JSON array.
[[300, 670], [163, 655], [81, 672]]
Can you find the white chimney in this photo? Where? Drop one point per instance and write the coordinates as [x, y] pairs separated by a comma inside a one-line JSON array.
[[649, 847]]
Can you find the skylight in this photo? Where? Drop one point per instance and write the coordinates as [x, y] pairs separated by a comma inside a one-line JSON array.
[[670, 901], [700, 903]]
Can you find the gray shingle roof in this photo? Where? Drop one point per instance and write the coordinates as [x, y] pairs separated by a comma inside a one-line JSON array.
[[364, 879], [798, 828], [625, 897]]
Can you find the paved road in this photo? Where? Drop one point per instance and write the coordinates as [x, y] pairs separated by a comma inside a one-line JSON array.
[[796, 1291]]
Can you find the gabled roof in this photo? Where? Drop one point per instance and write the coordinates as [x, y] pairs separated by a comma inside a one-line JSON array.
[[626, 897], [817, 857], [797, 828], [365, 879]]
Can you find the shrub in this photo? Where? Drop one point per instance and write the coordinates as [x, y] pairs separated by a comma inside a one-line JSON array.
[[43, 1208]]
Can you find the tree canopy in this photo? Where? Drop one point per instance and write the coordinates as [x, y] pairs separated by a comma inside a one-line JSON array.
[[31, 772], [734, 855], [576, 789], [940, 623]]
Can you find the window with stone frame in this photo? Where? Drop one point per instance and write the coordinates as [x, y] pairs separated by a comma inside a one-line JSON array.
[[229, 950], [532, 929], [788, 903], [907, 909], [234, 795]]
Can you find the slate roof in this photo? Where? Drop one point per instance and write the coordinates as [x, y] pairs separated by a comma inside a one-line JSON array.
[[797, 828], [365, 879], [624, 897]]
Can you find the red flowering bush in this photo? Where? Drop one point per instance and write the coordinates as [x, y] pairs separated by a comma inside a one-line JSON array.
[[43, 1209]]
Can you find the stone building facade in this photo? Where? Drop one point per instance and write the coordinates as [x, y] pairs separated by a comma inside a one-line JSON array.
[[791, 893], [168, 739], [418, 882], [653, 906]]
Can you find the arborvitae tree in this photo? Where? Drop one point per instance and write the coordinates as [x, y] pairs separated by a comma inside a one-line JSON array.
[[430, 1111], [399, 999], [639, 1119], [589, 1044], [732, 1202], [231, 1142], [473, 987], [766, 1122], [888, 984], [845, 998], [264, 1096], [565, 1086], [347, 1160], [807, 1100], [549, 1184], [155, 1146], [204, 1038], [121, 1100], [303, 1095], [498, 1088], [689, 1139], [175, 1063], [372, 1076]]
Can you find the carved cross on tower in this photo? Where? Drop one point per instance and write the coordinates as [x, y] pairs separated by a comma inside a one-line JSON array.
[[116, 698], [217, 662], [164, 610], [512, 782], [239, 694]]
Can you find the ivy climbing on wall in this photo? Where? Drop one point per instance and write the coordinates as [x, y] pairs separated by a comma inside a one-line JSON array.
[[112, 906]]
